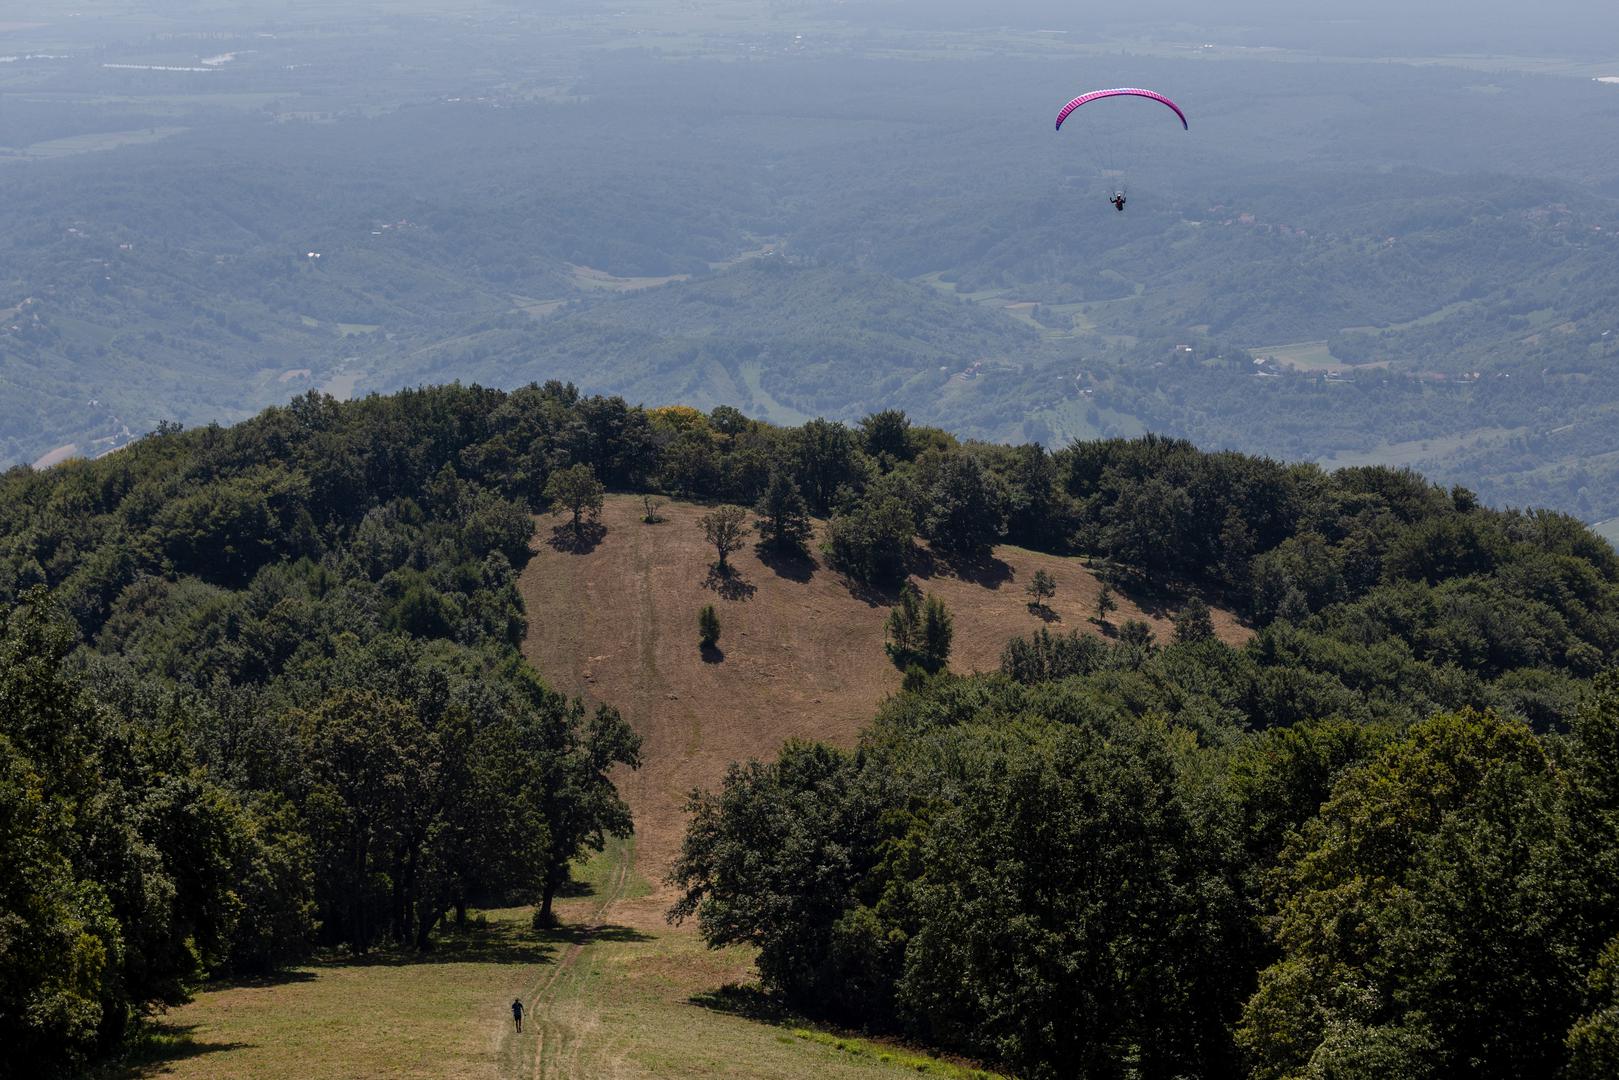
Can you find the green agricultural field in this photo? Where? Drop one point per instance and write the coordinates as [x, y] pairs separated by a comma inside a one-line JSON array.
[[1435, 316], [103, 140], [586, 278], [1403, 454], [1301, 356]]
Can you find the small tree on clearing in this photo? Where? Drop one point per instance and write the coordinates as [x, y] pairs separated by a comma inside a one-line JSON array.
[[919, 632], [1042, 587], [938, 630], [1194, 623], [725, 527], [575, 489], [904, 628], [1105, 603], [708, 626]]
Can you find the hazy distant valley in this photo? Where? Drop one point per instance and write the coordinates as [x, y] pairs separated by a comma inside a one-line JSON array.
[[816, 211]]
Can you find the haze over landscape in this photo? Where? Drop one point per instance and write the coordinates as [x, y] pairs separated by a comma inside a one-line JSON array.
[[1421, 248], [712, 519]]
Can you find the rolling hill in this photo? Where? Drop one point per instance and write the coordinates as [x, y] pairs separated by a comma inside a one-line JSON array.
[[803, 653], [618, 992]]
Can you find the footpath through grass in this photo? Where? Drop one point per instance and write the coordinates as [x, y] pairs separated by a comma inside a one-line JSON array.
[[605, 1000]]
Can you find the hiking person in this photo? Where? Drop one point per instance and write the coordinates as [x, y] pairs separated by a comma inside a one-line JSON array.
[[517, 1014]]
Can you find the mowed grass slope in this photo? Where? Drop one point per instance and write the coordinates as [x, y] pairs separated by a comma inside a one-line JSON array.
[[605, 1002], [618, 993]]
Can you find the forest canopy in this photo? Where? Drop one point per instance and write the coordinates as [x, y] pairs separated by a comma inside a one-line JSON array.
[[260, 693]]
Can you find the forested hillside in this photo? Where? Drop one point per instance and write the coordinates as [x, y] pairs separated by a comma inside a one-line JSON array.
[[261, 694]]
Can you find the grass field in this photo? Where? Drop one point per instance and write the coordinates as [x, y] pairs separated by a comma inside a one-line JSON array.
[[537, 309], [1416, 451], [1438, 315], [802, 652], [589, 279], [618, 993], [103, 140], [604, 1000], [1301, 356]]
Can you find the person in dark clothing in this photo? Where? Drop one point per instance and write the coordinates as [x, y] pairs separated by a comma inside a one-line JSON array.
[[1118, 201], [517, 1014]]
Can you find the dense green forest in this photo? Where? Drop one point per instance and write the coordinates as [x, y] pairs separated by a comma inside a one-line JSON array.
[[508, 197], [259, 693], [1115, 874]]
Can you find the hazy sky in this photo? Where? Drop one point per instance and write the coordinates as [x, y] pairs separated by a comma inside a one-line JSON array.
[[1588, 28]]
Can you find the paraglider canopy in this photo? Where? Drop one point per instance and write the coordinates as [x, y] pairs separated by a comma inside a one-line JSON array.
[[1122, 91]]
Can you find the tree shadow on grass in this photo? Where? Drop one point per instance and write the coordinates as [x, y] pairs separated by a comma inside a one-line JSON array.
[[477, 943], [1156, 599], [729, 583], [980, 569], [712, 654], [161, 1044], [749, 1002], [1044, 613], [572, 934], [792, 565], [284, 977], [583, 542]]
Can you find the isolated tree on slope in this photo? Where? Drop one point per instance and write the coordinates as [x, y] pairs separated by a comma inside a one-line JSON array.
[[576, 490], [919, 632], [1042, 587], [1105, 604], [724, 527]]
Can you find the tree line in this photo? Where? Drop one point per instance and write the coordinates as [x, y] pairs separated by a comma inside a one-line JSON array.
[[1107, 869]]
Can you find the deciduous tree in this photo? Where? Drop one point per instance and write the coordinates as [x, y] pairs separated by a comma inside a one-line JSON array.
[[724, 527], [1042, 587], [577, 491]]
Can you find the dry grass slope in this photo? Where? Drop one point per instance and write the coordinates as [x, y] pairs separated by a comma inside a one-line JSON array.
[[802, 651]]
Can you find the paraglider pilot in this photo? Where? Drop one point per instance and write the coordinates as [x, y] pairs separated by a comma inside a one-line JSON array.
[[1118, 201]]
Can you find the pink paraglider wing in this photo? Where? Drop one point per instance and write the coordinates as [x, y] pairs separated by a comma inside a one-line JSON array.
[[1122, 91]]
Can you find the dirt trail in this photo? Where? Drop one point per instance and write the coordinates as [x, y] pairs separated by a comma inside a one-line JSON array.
[[553, 1038]]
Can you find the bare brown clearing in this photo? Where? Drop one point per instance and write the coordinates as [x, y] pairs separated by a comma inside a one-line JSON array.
[[801, 652]]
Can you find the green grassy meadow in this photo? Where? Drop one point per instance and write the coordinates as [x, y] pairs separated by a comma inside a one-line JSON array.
[[1301, 356], [637, 999]]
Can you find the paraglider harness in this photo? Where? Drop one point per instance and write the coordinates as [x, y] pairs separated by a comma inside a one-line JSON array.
[[1118, 201]]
